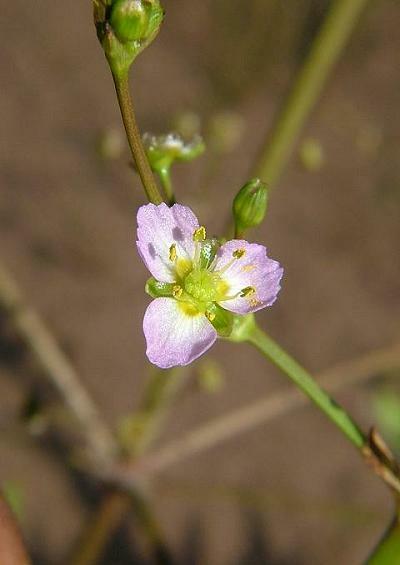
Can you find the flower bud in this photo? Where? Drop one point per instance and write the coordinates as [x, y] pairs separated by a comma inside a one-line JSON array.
[[250, 205], [125, 28], [132, 20], [211, 377], [163, 150]]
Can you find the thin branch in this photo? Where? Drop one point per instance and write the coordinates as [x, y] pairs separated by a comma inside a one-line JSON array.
[[265, 499], [12, 548], [57, 367], [103, 447], [135, 140], [324, 53], [259, 413], [114, 507], [388, 549]]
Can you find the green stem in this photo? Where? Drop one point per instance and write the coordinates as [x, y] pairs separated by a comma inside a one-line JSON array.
[[165, 178], [388, 550], [324, 52], [135, 140], [303, 380]]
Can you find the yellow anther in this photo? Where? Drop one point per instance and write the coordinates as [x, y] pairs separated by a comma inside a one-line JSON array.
[[254, 303], [210, 316], [172, 253], [200, 234], [177, 291], [248, 268], [248, 291], [239, 253]]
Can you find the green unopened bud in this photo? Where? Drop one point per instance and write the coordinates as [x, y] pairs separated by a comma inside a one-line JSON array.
[[125, 28], [312, 155], [250, 206], [221, 319], [134, 20], [211, 377], [225, 132]]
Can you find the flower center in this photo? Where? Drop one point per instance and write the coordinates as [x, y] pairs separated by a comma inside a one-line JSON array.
[[202, 285]]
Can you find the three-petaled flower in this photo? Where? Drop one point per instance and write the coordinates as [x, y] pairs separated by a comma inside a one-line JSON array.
[[196, 280]]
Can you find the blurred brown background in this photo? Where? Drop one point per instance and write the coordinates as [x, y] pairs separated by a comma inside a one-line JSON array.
[[292, 492]]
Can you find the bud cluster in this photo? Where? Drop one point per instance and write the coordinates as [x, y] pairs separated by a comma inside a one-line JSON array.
[[125, 28]]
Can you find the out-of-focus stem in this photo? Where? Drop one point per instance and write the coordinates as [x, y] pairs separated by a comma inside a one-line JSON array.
[[12, 548], [100, 441], [108, 518], [57, 368], [115, 506], [245, 419], [158, 399], [325, 51], [135, 140], [388, 550], [372, 448], [158, 396]]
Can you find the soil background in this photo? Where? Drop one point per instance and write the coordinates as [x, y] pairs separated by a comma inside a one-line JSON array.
[[291, 492]]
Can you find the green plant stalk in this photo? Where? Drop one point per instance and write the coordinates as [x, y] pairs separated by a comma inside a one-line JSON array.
[[325, 51], [303, 380], [388, 550], [135, 140], [165, 178]]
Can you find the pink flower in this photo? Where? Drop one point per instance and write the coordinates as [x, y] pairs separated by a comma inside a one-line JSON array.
[[196, 280]]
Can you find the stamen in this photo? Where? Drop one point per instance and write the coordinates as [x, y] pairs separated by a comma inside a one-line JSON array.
[[177, 291], [248, 291], [239, 253], [200, 234], [248, 268], [254, 302], [210, 316], [172, 253], [198, 237]]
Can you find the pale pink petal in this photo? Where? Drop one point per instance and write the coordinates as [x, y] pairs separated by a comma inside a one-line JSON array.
[[254, 269], [174, 337], [159, 227]]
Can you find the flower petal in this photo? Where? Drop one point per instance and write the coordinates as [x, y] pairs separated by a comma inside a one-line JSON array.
[[159, 227], [253, 270], [173, 337]]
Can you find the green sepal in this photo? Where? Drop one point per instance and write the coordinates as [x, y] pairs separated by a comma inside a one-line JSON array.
[[243, 326], [157, 289], [221, 319], [250, 205], [209, 249]]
